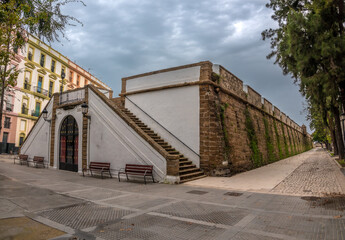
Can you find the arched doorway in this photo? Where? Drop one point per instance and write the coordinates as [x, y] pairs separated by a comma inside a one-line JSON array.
[[69, 145]]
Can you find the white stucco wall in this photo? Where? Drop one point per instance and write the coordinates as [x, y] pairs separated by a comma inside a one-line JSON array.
[[177, 110], [37, 142], [112, 140], [191, 74]]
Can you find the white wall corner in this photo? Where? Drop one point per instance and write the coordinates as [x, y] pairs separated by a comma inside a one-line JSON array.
[[171, 179], [215, 68]]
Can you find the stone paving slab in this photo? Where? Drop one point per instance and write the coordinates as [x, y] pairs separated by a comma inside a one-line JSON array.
[[205, 212], [137, 201], [316, 176], [91, 208], [24, 228], [155, 227]]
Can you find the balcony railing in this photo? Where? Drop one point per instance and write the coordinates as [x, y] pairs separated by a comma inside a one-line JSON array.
[[35, 113], [27, 86], [40, 90], [9, 107], [73, 96], [24, 110]]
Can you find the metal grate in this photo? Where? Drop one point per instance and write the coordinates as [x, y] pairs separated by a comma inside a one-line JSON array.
[[205, 212], [197, 192], [84, 215], [156, 227], [234, 194]]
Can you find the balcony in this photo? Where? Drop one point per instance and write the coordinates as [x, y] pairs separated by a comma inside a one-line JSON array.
[[9, 107], [24, 110], [35, 113], [40, 90], [27, 86], [72, 96]]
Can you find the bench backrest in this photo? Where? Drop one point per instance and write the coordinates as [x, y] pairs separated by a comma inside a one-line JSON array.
[[38, 159], [99, 165], [23, 157], [135, 168]]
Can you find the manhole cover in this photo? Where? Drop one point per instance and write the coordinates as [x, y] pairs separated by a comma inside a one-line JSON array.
[[197, 192], [234, 194]]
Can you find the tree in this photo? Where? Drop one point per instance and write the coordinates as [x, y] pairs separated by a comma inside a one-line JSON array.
[[18, 18], [309, 44]]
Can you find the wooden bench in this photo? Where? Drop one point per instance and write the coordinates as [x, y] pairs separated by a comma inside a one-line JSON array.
[[23, 159], [38, 161], [98, 167], [138, 170]]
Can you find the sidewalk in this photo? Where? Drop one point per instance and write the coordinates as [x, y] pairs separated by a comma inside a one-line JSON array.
[[92, 208], [311, 173]]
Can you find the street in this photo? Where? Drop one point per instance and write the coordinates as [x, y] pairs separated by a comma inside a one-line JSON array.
[[305, 201]]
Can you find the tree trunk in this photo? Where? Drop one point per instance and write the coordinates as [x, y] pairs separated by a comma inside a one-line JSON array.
[[338, 134]]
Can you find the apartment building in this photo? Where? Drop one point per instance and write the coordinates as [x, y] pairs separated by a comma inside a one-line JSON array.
[[44, 71]]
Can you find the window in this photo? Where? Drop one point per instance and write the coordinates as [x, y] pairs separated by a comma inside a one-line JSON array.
[[22, 125], [78, 80], [51, 88], [21, 138], [5, 138], [30, 53], [25, 106], [53, 66], [37, 110], [63, 74], [27, 77], [7, 122], [9, 105], [39, 84], [71, 76], [43, 58]]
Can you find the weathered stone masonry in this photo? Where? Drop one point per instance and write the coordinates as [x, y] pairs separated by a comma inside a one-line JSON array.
[[239, 130]]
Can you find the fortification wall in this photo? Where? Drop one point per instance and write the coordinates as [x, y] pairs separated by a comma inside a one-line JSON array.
[[248, 130]]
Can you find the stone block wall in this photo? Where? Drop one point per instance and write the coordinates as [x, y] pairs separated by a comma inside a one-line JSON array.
[[239, 130]]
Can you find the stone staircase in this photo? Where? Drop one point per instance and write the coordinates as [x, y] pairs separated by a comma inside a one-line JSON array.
[[187, 170]]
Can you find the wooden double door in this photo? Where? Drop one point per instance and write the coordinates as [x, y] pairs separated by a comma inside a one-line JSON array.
[[69, 135]]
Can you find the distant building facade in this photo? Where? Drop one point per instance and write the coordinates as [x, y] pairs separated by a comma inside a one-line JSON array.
[[44, 71]]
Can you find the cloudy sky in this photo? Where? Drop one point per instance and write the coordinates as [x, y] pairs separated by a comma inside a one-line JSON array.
[[121, 38]]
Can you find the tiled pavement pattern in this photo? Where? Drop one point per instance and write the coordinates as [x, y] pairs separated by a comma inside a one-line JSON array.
[[92, 208], [314, 177]]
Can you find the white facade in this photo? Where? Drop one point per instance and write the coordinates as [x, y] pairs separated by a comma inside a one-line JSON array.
[[110, 139], [177, 110]]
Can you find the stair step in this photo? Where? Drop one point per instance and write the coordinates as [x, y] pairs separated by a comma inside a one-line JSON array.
[[187, 166], [191, 179], [189, 170], [185, 163], [193, 174], [183, 159]]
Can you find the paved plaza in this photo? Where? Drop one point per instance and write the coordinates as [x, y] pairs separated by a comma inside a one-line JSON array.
[[305, 201]]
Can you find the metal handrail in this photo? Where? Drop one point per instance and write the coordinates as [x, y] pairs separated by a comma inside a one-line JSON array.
[[162, 126]]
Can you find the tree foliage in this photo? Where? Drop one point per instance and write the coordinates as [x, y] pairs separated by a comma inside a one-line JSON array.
[[309, 44]]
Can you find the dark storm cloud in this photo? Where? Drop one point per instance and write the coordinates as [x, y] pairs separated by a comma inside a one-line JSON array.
[[126, 37]]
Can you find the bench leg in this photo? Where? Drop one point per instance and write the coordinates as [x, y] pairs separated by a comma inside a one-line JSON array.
[[102, 174], [145, 179], [110, 174], [118, 176], [152, 179], [91, 172], [127, 177]]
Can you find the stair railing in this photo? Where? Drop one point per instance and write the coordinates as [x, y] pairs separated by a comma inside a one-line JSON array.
[[162, 127]]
